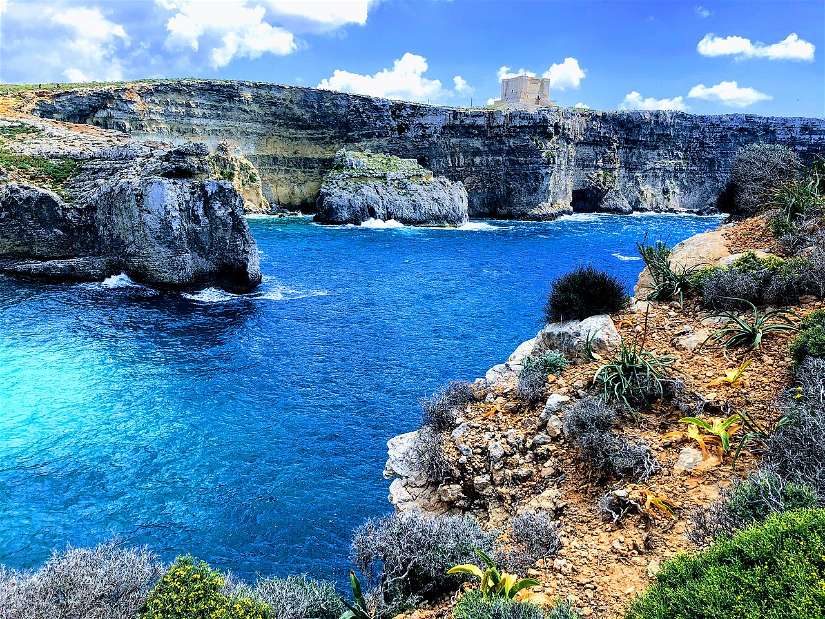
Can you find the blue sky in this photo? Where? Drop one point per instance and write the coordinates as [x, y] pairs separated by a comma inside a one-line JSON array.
[[762, 57]]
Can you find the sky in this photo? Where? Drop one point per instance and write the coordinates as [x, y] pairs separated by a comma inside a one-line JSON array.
[[724, 56]]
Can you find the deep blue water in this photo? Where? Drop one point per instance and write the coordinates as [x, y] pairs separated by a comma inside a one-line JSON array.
[[251, 431]]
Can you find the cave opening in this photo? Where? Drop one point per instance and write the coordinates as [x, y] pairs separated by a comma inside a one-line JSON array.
[[586, 200]]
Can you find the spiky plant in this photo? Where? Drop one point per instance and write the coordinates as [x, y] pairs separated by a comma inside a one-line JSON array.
[[748, 330]]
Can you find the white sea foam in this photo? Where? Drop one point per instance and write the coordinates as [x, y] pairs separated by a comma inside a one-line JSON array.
[[625, 258], [276, 293], [381, 224], [119, 281], [478, 226]]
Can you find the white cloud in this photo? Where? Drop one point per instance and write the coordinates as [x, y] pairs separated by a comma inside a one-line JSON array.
[[232, 27], [581, 106], [405, 80], [88, 44], [728, 93], [3, 5], [789, 48], [327, 12], [635, 101], [568, 74], [461, 86], [703, 12], [504, 72]]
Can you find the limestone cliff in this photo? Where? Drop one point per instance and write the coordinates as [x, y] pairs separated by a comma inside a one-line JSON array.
[[366, 185], [83, 203], [514, 164]]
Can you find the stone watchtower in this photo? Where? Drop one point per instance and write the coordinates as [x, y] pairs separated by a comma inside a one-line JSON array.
[[525, 92]]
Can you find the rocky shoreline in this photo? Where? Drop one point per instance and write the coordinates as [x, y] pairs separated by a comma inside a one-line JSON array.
[[86, 203], [514, 165]]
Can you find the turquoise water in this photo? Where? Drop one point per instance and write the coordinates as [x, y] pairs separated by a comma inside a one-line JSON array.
[[251, 430]]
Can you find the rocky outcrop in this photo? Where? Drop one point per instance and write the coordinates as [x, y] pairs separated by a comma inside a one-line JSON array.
[[575, 337], [86, 205], [364, 186], [514, 164]]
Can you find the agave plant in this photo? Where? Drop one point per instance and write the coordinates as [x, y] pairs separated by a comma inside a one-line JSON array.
[[719, 429], [669, 281], [494, 583], [359, 609], [749, 331]]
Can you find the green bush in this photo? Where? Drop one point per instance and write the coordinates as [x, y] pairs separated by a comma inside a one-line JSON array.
[[473, 605], [192, 590], [771, 571], [757, 173], [584, 292], [810, 341]]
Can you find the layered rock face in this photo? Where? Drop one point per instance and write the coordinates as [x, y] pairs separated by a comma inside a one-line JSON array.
[[533, 165], [364, 186], [149, 210]]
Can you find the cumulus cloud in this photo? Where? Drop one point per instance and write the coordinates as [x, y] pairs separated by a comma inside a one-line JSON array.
[[703, 12], [405, 80], [59, 42], [566, 75], [461, 86], [635, 101], [504, 72], [581, 106], [233, 28], [327, 12], [789, 48], [728, 93]]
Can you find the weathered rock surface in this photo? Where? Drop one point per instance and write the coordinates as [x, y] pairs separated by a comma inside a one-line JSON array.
[[531, 165], [703, 249], [364, 186], [147, 209]]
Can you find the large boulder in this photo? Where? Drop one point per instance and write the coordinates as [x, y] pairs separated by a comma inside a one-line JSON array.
[[703, 249], [363, 186], [150, 210]]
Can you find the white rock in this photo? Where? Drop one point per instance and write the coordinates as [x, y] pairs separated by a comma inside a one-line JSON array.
[[689, 459], [572, 336], [554, 402]]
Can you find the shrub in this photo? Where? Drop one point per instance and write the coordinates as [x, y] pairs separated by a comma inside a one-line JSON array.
[[587, 416], [531, 385], [532, 379], [810, 341], [636, 377], [473, 605], [440, 409], [726, 289], [584, 292], [106, 582], [757, 173], [534, 536], [407, 555], [192, 590], [563, 610], [771, 571], [588, 423], [796, 450], [787, 283], [300, 597], [431, 459], [814, 272], [749, 502]]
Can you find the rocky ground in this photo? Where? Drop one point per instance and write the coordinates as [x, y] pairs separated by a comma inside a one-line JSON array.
[[509, 456]]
